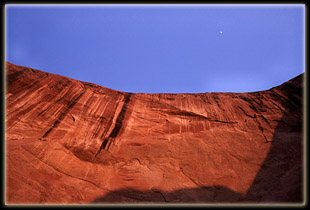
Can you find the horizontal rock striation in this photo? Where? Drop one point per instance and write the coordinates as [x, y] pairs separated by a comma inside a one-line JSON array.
[[69, 141]]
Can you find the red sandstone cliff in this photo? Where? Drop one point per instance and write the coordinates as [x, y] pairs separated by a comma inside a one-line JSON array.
[[69, 141]]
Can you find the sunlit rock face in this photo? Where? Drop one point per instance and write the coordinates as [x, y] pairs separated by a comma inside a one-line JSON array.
[[69, 141]]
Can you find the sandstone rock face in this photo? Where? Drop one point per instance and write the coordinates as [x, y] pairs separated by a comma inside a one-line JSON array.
[[74, 142]]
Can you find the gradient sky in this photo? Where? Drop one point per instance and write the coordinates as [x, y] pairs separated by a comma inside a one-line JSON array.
[[161, 49]]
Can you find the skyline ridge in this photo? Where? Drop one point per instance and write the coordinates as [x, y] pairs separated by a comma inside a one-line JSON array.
[[7, 62]]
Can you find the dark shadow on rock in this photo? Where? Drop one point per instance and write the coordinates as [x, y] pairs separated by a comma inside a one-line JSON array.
[[192, 195], [279, 180]]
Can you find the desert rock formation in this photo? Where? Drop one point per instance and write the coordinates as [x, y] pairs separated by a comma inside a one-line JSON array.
[[69, 141]]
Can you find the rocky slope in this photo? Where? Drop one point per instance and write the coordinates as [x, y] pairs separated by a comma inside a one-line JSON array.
[[69, 141]]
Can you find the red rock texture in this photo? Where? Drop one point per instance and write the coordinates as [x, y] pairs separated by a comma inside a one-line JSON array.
[[70, 142]]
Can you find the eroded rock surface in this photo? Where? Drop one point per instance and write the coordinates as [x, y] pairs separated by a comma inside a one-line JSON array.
[[69, 141]]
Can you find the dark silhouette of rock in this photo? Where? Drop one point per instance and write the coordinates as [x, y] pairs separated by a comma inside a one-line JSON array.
[[214, 194], [69, 141]]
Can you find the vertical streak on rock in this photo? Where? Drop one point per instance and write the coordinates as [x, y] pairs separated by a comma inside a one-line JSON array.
[[98, 128], [63, 114], [58, 95], [108, 145], [120, 117], [262, 130], [117, 126]]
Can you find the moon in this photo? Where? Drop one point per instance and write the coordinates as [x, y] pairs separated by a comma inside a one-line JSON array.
[[221, 32]]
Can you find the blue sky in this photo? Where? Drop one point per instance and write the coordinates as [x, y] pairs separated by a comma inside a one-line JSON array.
[[161, 48]]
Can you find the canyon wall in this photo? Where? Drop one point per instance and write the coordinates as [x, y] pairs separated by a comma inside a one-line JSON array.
[[69, 141]]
